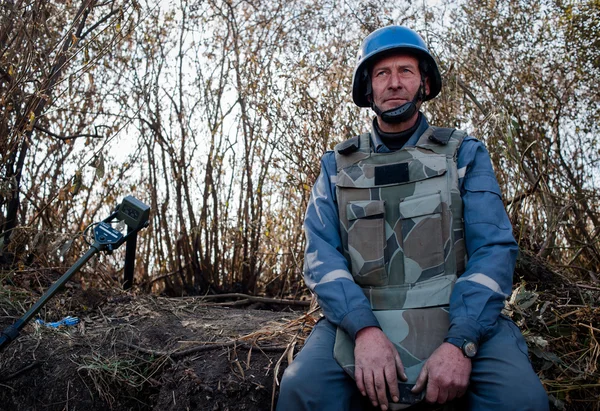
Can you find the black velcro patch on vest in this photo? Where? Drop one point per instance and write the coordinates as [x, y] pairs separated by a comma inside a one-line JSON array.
[[441, 135], [349, 146], [391, 174]]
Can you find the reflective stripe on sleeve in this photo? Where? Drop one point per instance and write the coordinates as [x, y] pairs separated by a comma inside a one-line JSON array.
[[319, 191], [331, 276], [484, 280]]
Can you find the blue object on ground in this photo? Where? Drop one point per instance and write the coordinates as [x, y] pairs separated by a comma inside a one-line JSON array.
[[67, 321]]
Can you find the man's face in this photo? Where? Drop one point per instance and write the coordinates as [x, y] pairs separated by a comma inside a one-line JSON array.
[[395, 80]]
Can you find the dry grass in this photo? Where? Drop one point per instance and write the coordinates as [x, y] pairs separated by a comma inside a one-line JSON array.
[[114, 374], [561, 329]]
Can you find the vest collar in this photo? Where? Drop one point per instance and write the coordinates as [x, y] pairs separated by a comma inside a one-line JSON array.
[[380, 147]]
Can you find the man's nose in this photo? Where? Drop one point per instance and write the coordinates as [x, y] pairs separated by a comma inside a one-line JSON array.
[[395, 81]]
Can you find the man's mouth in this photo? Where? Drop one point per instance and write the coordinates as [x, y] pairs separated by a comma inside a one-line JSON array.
[[395, 100]]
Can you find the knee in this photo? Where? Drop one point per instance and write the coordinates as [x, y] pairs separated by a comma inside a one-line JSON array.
[[521, 391], [530, 397], [539, 398], [294, 386], [291, 380]]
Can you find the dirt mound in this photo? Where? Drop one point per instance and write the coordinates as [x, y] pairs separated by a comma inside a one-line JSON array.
[[148, 353]]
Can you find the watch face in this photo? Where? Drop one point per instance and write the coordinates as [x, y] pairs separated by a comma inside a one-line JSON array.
[[470, 349]]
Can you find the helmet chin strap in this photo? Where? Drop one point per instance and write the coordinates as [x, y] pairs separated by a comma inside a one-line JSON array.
[[397, 115], [404, 112]]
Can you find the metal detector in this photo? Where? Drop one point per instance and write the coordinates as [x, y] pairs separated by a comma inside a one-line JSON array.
[[135, 215]]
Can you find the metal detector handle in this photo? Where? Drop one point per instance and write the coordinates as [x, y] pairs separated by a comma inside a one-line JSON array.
[[130, 248], [12, 332], [9, 334]]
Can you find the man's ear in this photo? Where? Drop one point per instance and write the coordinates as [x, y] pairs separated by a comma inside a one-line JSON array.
[[427, 87]]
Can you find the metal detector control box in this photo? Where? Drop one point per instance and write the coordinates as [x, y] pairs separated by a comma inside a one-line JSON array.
[[133, 212], [106, 235]]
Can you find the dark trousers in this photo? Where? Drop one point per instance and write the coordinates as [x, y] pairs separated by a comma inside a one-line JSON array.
[[501, 379]]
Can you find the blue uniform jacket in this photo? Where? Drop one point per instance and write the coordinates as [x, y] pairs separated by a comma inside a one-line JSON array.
[[479, 294]]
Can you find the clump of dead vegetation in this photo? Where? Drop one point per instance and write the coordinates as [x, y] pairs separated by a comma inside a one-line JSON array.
[[117, 374], [559, 316]]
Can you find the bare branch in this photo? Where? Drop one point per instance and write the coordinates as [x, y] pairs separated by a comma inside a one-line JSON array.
[[66, 138]]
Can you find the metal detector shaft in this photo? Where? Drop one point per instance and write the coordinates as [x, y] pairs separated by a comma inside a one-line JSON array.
[[12, 332]]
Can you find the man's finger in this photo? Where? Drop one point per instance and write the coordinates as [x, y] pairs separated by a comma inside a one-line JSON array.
[[452, 394], [432, 393], [421, 380], [400, 367], [392, 382], [370, 387], [442, 396], [380, 387], [358, 376]]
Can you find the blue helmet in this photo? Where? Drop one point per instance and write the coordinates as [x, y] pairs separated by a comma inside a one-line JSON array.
[[388, 40]]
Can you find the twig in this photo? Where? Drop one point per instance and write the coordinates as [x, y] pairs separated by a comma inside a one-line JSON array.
[[66, 138], [176, 353], [562, 316], [583, 248], [572, 305], [226, 344], [587, 287], [160, 277], [21, 371], [471, 95], [570, 388], [289, 347], [251, 298], [228, 303], [68, 386], [289, 355], [589, 326], [529, 191]]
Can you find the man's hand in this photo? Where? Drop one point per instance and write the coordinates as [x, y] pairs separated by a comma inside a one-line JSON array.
[[377, 362], [447, 371]]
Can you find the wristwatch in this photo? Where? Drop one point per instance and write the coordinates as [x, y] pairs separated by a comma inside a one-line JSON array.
[[469, 348]]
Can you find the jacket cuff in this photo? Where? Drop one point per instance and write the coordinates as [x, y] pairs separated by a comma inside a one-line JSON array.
[[358, 319], [464, 329]]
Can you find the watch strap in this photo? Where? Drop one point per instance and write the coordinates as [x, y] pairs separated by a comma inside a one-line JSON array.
[[458, 342]]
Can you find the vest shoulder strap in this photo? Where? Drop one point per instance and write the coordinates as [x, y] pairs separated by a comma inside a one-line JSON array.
[[352, 150], [349, 146], [441, 135], [442, 140], [354, 144]]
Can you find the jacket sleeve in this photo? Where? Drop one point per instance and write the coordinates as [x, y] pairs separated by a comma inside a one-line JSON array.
[[325, 267], [479, 294]]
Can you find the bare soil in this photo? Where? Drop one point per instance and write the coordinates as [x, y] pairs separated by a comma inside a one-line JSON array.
[[148, 353]]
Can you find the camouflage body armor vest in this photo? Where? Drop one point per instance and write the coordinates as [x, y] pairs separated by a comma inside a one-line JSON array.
[[402, 231]]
